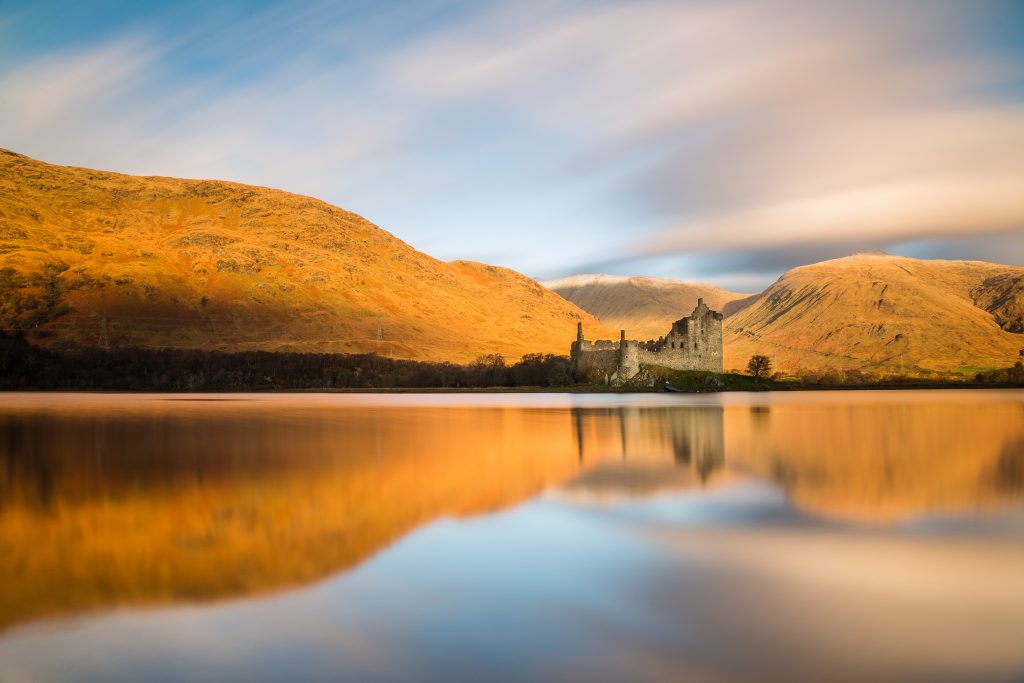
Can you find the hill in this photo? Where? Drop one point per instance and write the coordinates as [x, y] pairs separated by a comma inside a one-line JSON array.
[[97, 258], [884, 314], [643, 306]]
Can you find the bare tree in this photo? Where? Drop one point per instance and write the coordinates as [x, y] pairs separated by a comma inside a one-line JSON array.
[[759, 366]]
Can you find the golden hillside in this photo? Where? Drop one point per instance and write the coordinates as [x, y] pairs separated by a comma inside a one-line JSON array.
[[645, 307], [884, 314], [101, 258]]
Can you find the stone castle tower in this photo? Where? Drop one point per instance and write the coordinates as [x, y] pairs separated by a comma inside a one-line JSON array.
[[693, 343]]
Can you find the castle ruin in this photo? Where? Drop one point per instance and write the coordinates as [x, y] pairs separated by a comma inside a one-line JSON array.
[[693, 343]]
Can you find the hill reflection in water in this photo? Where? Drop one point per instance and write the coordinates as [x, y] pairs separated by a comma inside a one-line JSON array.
[[139, 500]]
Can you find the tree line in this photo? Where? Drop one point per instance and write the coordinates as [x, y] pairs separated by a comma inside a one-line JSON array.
[[1011, 375], [24, 366]]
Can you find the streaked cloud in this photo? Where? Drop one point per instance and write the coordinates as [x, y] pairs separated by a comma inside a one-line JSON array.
[[549, 135]]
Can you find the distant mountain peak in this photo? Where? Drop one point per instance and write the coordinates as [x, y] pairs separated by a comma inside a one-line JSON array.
[[582, 280], [586, 279], [644, 306]]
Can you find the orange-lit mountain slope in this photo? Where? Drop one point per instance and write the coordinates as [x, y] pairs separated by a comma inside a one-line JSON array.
[[98, 258], [884, 314]]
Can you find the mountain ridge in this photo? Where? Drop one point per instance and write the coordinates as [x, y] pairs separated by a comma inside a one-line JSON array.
[[101, 258]]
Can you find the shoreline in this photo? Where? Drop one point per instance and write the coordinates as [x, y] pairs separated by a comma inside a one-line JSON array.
[[534, 389]]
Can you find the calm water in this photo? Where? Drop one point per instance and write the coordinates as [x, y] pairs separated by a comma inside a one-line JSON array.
[[828, 536]]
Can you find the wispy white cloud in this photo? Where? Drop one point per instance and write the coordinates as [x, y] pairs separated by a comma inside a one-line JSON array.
[[48, 99], [784, 122], [557, 132]]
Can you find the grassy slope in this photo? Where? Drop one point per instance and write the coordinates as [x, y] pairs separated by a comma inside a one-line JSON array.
[[163, 262], [643, 306], [880, 313]]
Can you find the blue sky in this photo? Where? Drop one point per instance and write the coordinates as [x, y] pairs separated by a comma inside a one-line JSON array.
[[722, 141]]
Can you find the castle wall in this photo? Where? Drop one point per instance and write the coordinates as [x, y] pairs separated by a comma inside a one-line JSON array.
[[590, 357], [693, 343], [698, 358]]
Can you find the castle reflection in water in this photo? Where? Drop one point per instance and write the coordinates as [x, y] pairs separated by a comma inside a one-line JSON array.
[[639, 451]]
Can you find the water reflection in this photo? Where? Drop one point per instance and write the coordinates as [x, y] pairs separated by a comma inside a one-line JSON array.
[[882, 461], [658, 449], [110, 501]]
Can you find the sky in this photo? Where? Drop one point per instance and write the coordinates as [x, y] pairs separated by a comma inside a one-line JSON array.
[[723, 141]]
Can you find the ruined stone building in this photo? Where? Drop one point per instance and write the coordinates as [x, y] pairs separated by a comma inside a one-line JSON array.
[[693, 343]]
